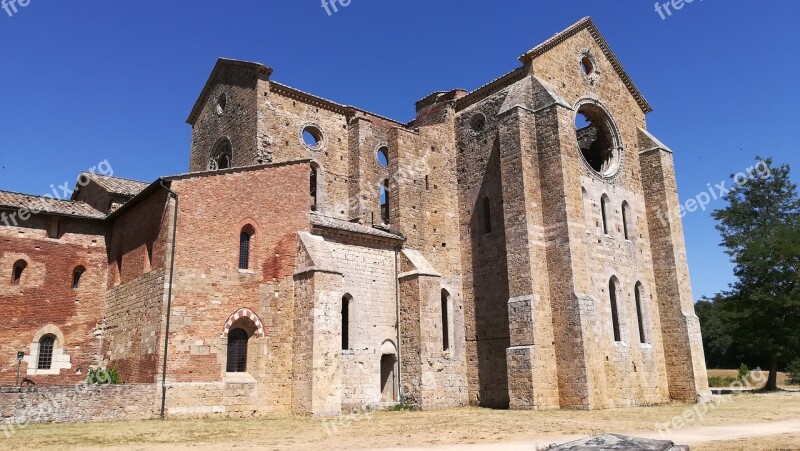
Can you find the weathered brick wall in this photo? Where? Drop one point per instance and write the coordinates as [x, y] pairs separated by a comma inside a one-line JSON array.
[[45, 302], [75, 404], [209, 287], [132, 327]]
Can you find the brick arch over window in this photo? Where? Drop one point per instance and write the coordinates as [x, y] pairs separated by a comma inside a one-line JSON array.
[[244, 313]]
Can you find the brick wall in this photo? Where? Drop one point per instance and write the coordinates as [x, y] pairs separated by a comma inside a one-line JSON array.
[[45, 302]]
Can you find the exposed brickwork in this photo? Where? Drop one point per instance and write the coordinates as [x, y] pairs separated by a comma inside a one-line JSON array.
[[45, 296], [495, 237]]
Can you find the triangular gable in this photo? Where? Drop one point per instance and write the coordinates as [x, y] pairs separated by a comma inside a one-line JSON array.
[[587, 24]]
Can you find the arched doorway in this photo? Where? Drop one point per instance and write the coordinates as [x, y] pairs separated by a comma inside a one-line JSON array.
[[388, 372]]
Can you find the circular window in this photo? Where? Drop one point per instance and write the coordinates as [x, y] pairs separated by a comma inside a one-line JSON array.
[[587, 66], [597, 139], [222, 102], [383, 156], [477, 123], [312, 137]]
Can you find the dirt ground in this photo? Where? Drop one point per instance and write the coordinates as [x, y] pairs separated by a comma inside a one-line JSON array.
[[462, 426]]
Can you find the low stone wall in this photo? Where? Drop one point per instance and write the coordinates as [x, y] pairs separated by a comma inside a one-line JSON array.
[[77, 403]]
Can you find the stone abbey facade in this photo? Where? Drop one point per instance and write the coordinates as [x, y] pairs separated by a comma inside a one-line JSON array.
[[517, 246]]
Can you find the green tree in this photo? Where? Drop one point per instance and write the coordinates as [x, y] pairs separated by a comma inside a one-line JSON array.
[[760, 229]]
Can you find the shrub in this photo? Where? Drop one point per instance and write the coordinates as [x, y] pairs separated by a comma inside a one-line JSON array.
[[719, 381], [743, 372], [794, 372], [102, 376]]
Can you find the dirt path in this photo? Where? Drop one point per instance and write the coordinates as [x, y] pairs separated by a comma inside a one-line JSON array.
[[688, 436]]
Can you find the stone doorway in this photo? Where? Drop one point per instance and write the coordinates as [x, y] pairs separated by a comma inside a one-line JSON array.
[[388, 378]]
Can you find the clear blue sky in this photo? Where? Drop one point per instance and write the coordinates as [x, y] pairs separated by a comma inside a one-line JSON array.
[[85, 81]]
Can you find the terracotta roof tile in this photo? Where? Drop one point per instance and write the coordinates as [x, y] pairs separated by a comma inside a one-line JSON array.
[[116, 185], [41, 204]]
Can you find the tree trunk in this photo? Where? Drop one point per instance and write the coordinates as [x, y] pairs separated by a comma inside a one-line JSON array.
[[772, 380]]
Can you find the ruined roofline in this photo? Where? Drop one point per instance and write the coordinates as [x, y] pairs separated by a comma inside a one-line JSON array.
[[221, 63], [490, 88], [588, 24], [315, 100]]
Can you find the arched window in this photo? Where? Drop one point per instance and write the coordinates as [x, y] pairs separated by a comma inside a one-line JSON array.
[[17, 272], [221, 156], [45, 359], [313, 186], [626, 211], [612, 294], [245, 237], [639, 315], [445, 320], [486, 217], [76, 277], [346, 322], [237, 351], [384, 199], [604, 213]]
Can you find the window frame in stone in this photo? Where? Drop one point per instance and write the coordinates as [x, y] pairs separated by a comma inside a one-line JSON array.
[[44, 357], [245, 247], [486, 215], [613, 291], [445, 307], [383, 150], [236, 351], [77, 275], [638, 295], [222, 152], [383, 201], [604, 201], [17, 272], [346, 301], [626, 210]]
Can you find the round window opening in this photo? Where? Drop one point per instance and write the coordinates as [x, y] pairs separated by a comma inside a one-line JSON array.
[[222, 102], [477, 123], [383, 156], [597, 140], [587, 66], [312, 137]]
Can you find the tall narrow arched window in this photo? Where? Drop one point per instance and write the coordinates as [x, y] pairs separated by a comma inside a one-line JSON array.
[[45, 358], [626, 211], [313, 186], [17, 271], [445, 301], [237, 351], [486, 216], [245, 239], [639, 316], [76, 277], [384, 199], [612, 294], [604, 213], [345, 322]]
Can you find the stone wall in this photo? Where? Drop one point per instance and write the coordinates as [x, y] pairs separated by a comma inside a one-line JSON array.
[[76, 404]]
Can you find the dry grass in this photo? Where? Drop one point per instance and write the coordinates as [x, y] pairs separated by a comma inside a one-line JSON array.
[[390, 429], [788, 442], [783, 378]]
